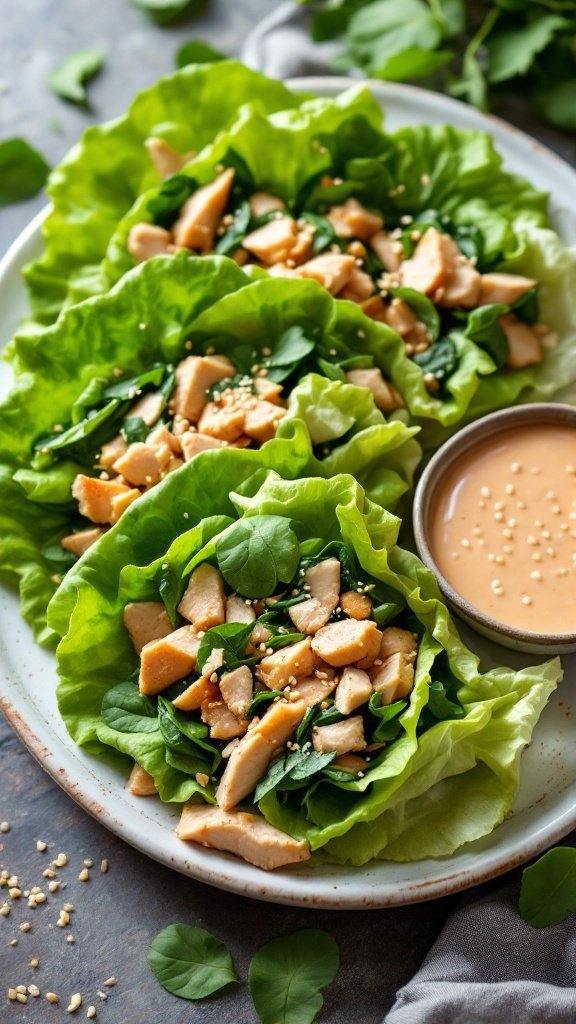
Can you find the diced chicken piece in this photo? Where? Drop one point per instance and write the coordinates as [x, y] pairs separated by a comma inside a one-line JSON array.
[[323, 581], [203, 601], [261, 422], [193, 443], [350, 763], [146, 621], [374, 308], [148, 240], [282, 270], [359, 288], [120, 502], [386, 397], [352, 220], [398, 641], [268, 390], [166, 160], [175, 463], [112, 451], [347, 641], [353, 690], [236, 688], [332, 270], [357, 606], [95, 497], [262, 203], [400, 317], [304, 248], [395, 678], [312, 690], [504, 288], [201, 213], [389, 250], [462, 287], [223, 724], [249, 761], [276, 670], [78, 543], [161, 438], [524, 348], [167, 660], [196, 694], [342, 737], [428, 268], [238, 611], [140, 783], [139, 465], [260, 635], [273, 242], [148, 408], [194, 375], [247, 835], [225, 422]]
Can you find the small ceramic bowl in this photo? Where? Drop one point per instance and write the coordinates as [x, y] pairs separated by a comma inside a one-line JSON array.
[[500, 632]]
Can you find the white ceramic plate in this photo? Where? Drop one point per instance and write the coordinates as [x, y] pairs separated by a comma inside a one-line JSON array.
[[546, 806]]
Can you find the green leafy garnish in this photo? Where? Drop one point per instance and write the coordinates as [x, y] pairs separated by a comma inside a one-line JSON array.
[[171, 195], [257, 553], [23, 171], [287, 976], [170, 589], [235, 234], [483, 328], [189, 962], [134, 429], [231, 637], [164, 11], [388, 727], [197, 51], [126, 710], [548, 892], [440, 359], [68, 79]]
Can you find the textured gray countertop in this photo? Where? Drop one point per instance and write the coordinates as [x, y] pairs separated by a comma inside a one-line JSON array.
[[118, 913]]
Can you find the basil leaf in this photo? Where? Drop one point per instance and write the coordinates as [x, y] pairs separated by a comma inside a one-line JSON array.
[[164, 11], [170, 589], [287, 976], [171, 195], [548, 890], [483, 328], [189, 962], [232, 637], [67, 81], [234, 236], [23, 171], [421, 307], [279, 771], [262, 697], [126, 710], [440, 359], [134, 429], [257, 553], [311, 763], [197, 51]]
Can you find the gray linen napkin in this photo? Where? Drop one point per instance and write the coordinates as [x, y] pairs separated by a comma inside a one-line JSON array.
[[487, 966]]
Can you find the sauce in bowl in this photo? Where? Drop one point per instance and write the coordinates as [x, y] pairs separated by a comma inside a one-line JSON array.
[[502, 527]]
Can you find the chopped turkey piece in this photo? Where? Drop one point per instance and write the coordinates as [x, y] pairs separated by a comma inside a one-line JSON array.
[[352, 220], [236, 688], [194, 696], [140, 783], [262, 203], [357, 606], [342, 737], [201, 213], [276, 670], [193, 443], [350, 763], [148, 240], [389, 250], [146, 621], [95, 497], [120, 502], [78, 543], [359, 288], [139, 465], [224, 421], [194, 376], [261, 422], [247, 835], [166, 160], [347, 641], [161, 438], [428, 268], [112, 451], [312, 690], [524, 347], [353, 690], [268, 390], [323, 583], [505, 288], [386, 397], [400, 317], [273, 242], [332, 270], [203, 601], [398, 641], [167, 660], [148, 408], [223, 724], [238, 611], [395, 678]]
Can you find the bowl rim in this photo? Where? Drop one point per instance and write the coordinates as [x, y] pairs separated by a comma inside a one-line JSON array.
[[449, 452]]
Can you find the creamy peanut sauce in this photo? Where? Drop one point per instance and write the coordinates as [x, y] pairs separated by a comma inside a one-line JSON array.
[[502, 527]]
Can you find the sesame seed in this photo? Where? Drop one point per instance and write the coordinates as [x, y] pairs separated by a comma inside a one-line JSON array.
[[521, 504], [507, 549], [551, 552], [546, 534], [561, 572], [526, 600], [5, 910], [91, 1013], [499, 517], [499, 506], [481, 504], [52, 997], [496, 583], [85, 874], [12, 994], [14, 893], [104, 866], [465, 543], [556, 510], [102, 995], [33, 990], [491, 557], [75, 1003], [88, 863], [535, 575], [508, 533], [21, 988], [35, 962], [533, 541], [485, 492], [21, 997], [53, 886], [70, 940], [512, 523], [60, 861], [25, 926], [500, 560], [516, 467], [41, 846], [68, 907], [510, 489], [63, 919], [4, 826], [110, 982]]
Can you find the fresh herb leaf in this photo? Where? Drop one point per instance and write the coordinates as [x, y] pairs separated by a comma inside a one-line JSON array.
[[483, 328], [311, 763], [164, 11], [257, 553], [388, 727], [261, 697], [171, 195], [134, 429], [513, 50], [184, 735], [170, 589], [231, 637], [422, 308], [197, 51], [527, 307], [126, 710], [189, 962], [277, 773], [234, 235], [390, 40], [324, 234], [289, 351], [23, 171], [238, 380], [548, 891], [68, 79], [287, 976], [440, 359], [131, 387]]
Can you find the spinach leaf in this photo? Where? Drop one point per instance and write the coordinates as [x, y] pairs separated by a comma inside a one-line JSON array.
[[324, 234], [548, 891], [287, 976], [232, 637], [164, 11], [234, 235], [190, 764], [76, 436], [189, 962], [262, 697], [388, 727], [440, 359], [292, 347], [422, 308], [183, 735], [483, 329], [134, 429], [311, 763], [68, 79], [126, 710], [257, 553], [171, 195], [527, 307], [23, 171], [317, 715], [197, 51], [90, 398], [170, 588], [297, 765], [333, 371], [132, 387]]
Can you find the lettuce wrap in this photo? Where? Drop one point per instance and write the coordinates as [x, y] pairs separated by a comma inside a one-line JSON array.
[[77, 382], [440, 763]]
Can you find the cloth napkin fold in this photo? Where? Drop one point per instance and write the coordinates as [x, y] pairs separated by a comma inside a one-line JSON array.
[[487, 966]]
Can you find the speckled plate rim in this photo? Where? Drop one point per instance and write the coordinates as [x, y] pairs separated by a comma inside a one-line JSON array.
[[541, 819]]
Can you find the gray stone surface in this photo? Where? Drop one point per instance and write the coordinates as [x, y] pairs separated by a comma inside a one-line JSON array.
[[117, 914]]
